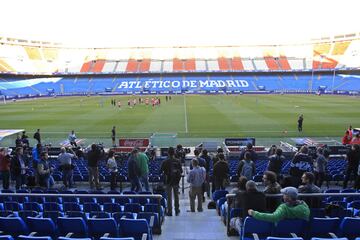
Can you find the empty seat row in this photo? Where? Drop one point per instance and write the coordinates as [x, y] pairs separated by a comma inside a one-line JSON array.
[[77, 227]]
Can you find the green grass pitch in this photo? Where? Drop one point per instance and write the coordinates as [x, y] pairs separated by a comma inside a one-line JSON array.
[[190, 116]]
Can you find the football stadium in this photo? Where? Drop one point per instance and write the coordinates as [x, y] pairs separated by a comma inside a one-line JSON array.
[[179, 120]]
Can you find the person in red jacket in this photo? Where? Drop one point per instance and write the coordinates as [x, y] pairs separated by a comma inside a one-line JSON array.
[[346, 138]]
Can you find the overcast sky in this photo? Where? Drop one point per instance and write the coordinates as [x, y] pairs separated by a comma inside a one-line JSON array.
[[123, 23]]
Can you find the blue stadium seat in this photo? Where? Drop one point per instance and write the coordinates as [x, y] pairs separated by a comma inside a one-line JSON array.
[[69, 238], [71, 206], [72, 227], [288, 227], [13, 226], [323, 227], [350, 228], [134, 228], [132, 207], [53, 215], [152, 220], [112, 207], [122, 200], [118, 215], [23, 237], [279, 238], [76, 214], [98, 227], [252, 226], [42, 226], [99, 214], [219, 194], [52, 206], [90, 207], [6, 237], [33, 206], [27, 213], [219, 203], [140, 200], [12, 206], [107, 238]]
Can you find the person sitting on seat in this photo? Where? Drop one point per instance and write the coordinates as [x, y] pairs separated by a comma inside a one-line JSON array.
[[291, 208]]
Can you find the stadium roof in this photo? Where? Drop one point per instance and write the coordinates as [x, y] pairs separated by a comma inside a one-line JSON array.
[[156, 23]]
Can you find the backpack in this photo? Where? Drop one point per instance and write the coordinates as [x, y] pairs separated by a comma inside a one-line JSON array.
[[247, 169], [175, 172]]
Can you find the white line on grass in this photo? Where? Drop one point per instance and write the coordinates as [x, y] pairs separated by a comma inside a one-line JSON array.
[[186, 123]]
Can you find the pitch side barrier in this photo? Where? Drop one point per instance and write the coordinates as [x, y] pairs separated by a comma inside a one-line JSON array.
[[102, 196], [231, 196]]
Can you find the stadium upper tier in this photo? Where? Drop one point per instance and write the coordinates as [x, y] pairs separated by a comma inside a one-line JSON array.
[[29, 57], [182, 83]]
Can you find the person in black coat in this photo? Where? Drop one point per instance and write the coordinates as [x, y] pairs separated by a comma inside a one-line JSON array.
[[18, 168], [220, 172]]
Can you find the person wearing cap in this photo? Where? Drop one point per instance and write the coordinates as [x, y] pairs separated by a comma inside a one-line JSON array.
[[292, 208]]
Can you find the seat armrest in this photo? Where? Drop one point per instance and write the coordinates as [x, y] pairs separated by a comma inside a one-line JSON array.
[[144, 236], [32, 234], [152, 219], [106, 235], [293, 235], [256, 237], [332, 235], [69, 234]]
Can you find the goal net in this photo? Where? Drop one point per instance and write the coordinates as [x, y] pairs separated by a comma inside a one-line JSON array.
[[163, 139]]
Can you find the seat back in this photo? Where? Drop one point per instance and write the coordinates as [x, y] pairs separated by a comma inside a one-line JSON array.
[[75, 225], [23, 237], [287, 226], [219, 194], [350, 227], [13, 226], [321, 227], [43, 226], [261, 228], [99, 226], [112, 207], [34, 206], [134, 228]]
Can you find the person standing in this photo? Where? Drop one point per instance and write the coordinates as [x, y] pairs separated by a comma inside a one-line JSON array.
[[172, 170], [112, 166], [220, 172], [36, 156], [94, 156], [44, 170], [113, 136], [246, 167], [276, 162], [300, 122], [301, 163], [134, 171], [18, 168], [72, 139], [65, 160], [196, 178], [320, 167], [143, 163], [207, 158], [5, 167], [353, 159], [25, 139], [37, 136]]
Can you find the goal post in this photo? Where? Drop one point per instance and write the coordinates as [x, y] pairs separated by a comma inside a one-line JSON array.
[[2, 99]]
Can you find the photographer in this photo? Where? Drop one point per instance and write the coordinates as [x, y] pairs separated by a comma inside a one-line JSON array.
[[93, 157], [66, 166], [180, 153]]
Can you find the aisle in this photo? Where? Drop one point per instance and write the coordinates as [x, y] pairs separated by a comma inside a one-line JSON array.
[[191, 226]]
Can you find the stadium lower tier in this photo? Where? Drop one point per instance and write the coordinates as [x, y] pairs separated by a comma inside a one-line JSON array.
[[335, 170], [198, 84]]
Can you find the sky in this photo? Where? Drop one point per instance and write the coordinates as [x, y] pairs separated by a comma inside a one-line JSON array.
[[164, 23]]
